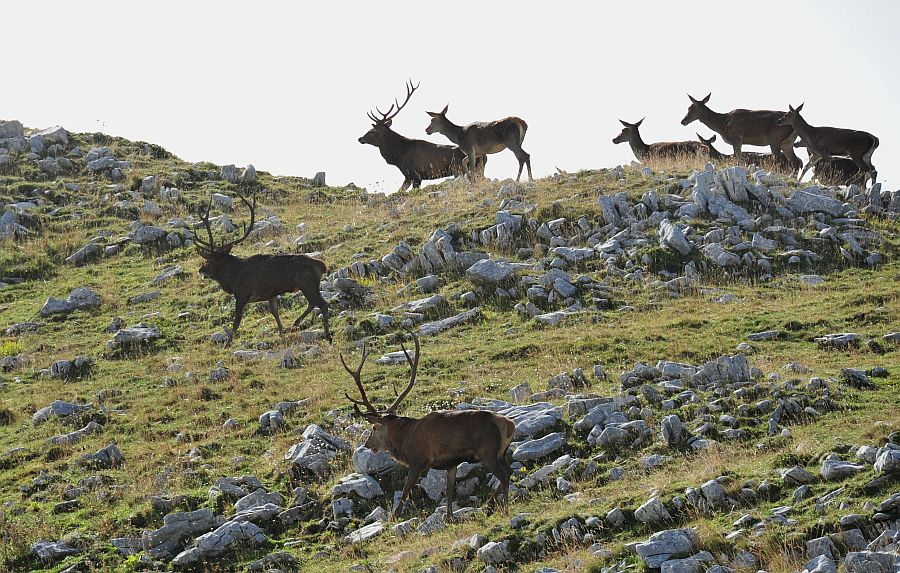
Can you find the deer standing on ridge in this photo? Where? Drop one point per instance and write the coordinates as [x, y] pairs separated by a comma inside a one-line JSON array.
[[417, 159], [741, 127], [823, 143], [440, 440], [483, 138], [260, 277], [643, 151]]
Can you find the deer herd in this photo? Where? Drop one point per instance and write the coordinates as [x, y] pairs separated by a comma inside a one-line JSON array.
[[444, 439]]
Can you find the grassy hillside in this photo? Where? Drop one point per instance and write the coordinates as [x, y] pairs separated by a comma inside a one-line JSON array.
[[159, 404]]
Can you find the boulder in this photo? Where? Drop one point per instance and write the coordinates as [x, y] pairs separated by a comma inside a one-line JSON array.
[[490, 273]]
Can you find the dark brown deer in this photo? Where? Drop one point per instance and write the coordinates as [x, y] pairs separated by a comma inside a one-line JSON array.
[[741, 127], [644, 151], [441, 440], [766, 160], [824, 143], [483, 138], [260, 277], [418, 160], [838, 171]]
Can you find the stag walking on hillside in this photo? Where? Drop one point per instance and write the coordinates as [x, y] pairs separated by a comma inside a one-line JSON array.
[[441, 440], [483, 138], [824, 143], [674, 149], [418, 160], [747, 127], [260, 277]]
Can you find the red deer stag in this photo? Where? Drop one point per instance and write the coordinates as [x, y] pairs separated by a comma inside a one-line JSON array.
[[483, 138], [838, 171], [823, 143], [260, 277], [417, 160], [747, 158], [441, 440], [747, 127], [643, 151]]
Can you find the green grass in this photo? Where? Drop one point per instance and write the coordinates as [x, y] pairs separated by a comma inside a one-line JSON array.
[[484, 358]]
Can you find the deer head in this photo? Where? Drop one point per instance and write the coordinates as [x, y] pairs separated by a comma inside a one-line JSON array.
[[378, 440], [706, 141], [696, 107], [629, 133], [792, 117], [213, 253], [381, 126], [438, 120]]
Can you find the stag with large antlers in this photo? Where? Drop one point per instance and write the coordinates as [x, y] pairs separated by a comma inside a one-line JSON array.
[[741, 127], [417, 159], [825, 143], [483, 138], [441, 440], [643, 151], [260, 277]]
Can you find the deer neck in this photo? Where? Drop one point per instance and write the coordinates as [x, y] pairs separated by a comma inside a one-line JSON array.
[[393, 147], [804, 131], [638, 146], [452, 132], [398, 430], [711, 119]]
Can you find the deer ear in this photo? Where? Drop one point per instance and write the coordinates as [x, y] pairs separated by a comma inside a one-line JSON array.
[[444, 111], [713, 138], [799, 107], [706, 99], [625, 123], [372, 417], [692, 98], [638, 124], [388, 123], [432, 113]]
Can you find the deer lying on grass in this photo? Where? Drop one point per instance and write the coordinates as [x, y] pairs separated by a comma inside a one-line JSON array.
[[747, 127], [766, 160], [441, 440], [417, 160], [823, 143], [483, 138], [838, 171], [260, 277], [644, 151]]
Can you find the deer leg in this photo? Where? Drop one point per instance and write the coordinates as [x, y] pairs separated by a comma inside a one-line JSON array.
[[471, 164], [238, 315], [415, 472], [273, 307], [451, 492], [405, 184], [814, 159], [493, 464], [308, 310]]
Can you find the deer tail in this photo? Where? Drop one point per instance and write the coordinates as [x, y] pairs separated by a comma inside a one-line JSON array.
[[523, 127], [867, 156]]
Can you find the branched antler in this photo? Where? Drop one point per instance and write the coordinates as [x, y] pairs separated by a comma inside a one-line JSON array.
[[395, 108]]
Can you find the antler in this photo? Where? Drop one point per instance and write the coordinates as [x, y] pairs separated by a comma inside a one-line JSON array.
[[355, 374], [210, 246], [414, 365], [204, 218], [392, 112], [247, 228]]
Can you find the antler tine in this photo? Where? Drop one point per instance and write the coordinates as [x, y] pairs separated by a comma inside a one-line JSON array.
[[204, 218], [355, 374], [414, 366]]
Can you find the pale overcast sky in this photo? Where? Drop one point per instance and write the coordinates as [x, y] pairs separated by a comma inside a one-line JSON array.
[[286, 86]]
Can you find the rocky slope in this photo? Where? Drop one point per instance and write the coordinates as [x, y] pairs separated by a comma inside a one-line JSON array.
[[702, 364]]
